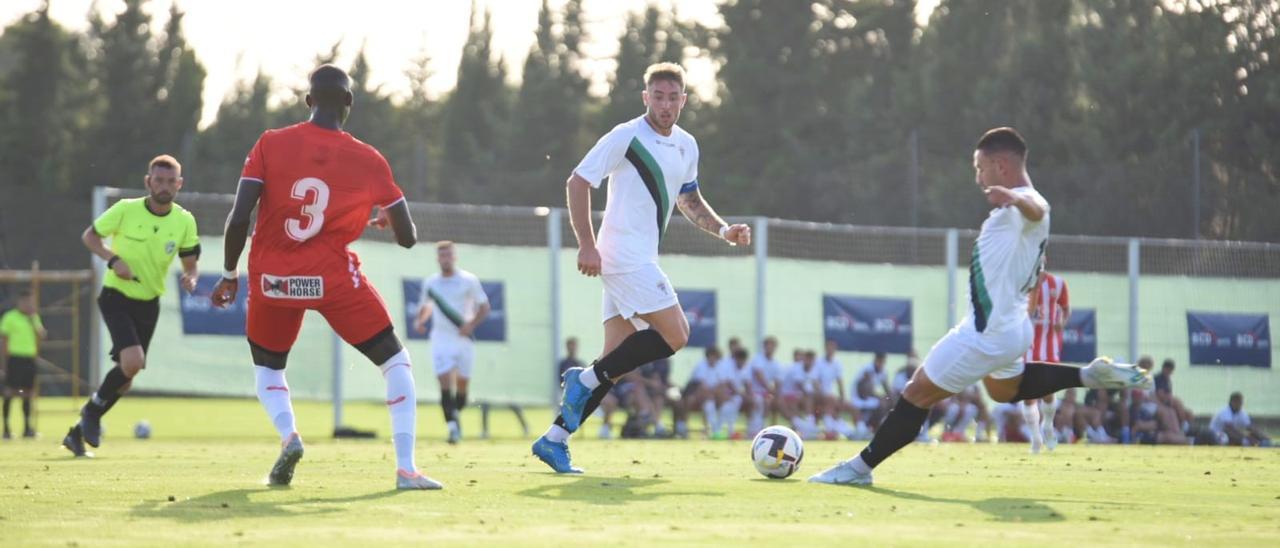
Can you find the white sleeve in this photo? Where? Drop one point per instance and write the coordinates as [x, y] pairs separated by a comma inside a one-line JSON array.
[[693, 163], [477, 292], [605, 156], [422, 294]]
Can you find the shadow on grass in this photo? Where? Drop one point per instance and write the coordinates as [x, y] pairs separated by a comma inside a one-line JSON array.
[[598, 490], [247, 503], [1000, 508]]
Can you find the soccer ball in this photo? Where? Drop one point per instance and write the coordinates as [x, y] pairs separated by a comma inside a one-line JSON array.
[[777, 452], [142, 430]]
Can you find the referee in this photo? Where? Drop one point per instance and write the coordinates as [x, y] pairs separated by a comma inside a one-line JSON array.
[[146, 234], [20, 334]]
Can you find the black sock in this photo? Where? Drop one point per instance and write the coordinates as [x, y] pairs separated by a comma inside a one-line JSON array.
[[1040, 379], [113, 386], [898, 429], [26, 415], [460, 402], [593, 402], [636, 350], [7, 401], [447, 404]]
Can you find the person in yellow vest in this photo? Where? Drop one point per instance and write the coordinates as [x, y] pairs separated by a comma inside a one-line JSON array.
[[146, 235], [20, 334]]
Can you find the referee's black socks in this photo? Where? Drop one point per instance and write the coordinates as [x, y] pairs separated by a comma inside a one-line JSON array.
[[113, 386], [1039, 379]]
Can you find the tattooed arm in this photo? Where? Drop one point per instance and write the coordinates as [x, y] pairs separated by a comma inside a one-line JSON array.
[[695, 208]]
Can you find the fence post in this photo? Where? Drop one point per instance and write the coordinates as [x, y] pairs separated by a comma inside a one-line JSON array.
[[953, 258], [553, 245], [761, 238], [95, 316], [1134, 270]]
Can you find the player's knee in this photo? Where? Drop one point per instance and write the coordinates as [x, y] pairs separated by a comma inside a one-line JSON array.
[[676, 340], [132, 361]]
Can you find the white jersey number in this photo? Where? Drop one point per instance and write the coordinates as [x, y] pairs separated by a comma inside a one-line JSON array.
[[312, 212]]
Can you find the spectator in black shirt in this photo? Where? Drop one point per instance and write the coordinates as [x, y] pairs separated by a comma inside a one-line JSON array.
[[1164, 394], [570, 355]]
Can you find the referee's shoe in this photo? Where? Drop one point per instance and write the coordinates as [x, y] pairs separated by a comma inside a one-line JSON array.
[[75, 443]]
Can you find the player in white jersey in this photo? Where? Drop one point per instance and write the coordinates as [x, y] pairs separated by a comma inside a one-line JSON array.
[[700, 392], [652, 166], [734, 394], [831, 401], [462, 304], [989, 344], [765, 371], [798, 394]]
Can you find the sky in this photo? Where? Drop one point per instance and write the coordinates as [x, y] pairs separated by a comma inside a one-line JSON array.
[[235, 39]]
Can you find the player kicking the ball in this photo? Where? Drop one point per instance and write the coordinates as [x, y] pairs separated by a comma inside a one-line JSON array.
[[648, 160], [316, 186], [989, 344]]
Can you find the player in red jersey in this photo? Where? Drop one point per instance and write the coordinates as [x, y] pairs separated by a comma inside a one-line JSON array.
[[315, 187], [1049, 308]]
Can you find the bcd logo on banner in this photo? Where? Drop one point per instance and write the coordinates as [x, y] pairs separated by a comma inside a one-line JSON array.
[[1080, 337], [700, 310], [200, 317], [1229, 339], [867, 324]]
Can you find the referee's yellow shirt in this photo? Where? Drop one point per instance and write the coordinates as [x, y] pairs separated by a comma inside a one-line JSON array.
[[21, 333], [147, 243]]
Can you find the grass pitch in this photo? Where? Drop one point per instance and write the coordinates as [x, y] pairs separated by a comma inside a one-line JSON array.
[[199, 481]]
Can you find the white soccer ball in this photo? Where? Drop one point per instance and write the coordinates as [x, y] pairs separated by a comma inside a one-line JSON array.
[[142, 430], [777, 452]]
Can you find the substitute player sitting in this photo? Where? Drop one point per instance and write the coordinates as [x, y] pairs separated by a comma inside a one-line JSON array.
[[462, 303], [315, 187]]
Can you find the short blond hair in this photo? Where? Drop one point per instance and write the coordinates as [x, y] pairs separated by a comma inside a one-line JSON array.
[[670, 72], [164, 160], [444, 244]]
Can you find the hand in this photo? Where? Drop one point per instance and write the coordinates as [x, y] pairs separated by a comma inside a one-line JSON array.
[[420, 327], [589, 261], [188, 282], [380, 221], [122, 270], [466, 330], [1000, 196], [738, 235], [224, 293]]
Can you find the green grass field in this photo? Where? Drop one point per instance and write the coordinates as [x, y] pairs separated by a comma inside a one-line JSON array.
[[199, 482]]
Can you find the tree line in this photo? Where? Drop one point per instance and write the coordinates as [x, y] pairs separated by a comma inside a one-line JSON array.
[[827, 110]]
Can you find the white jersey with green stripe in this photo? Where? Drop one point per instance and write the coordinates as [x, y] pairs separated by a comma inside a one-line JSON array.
[[646, 171], [455, 300], [1006, 262]]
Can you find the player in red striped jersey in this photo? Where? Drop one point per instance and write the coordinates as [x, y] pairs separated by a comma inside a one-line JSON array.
[[1049, 308]]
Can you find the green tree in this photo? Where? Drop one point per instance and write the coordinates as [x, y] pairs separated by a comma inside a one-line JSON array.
[[41, 109], [222, 147], [149, 99], [475, 119]]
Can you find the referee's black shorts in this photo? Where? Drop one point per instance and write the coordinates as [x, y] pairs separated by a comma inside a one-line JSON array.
[[20, 373], [131, 322]]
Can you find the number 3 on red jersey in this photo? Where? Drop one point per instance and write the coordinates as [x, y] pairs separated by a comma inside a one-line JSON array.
[[314, 195]]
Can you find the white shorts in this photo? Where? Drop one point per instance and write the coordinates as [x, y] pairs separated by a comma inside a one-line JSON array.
[[638, 292], [449, 356], [964, 356]]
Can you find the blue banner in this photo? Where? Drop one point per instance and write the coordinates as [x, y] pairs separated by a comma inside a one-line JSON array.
[[1229, 339], [199, 317], [700, 309], [493, 328], [1080, 337], [866, 324]]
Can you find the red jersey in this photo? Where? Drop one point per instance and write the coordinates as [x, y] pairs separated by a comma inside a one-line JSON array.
[[319, 187], [1047, 302]]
